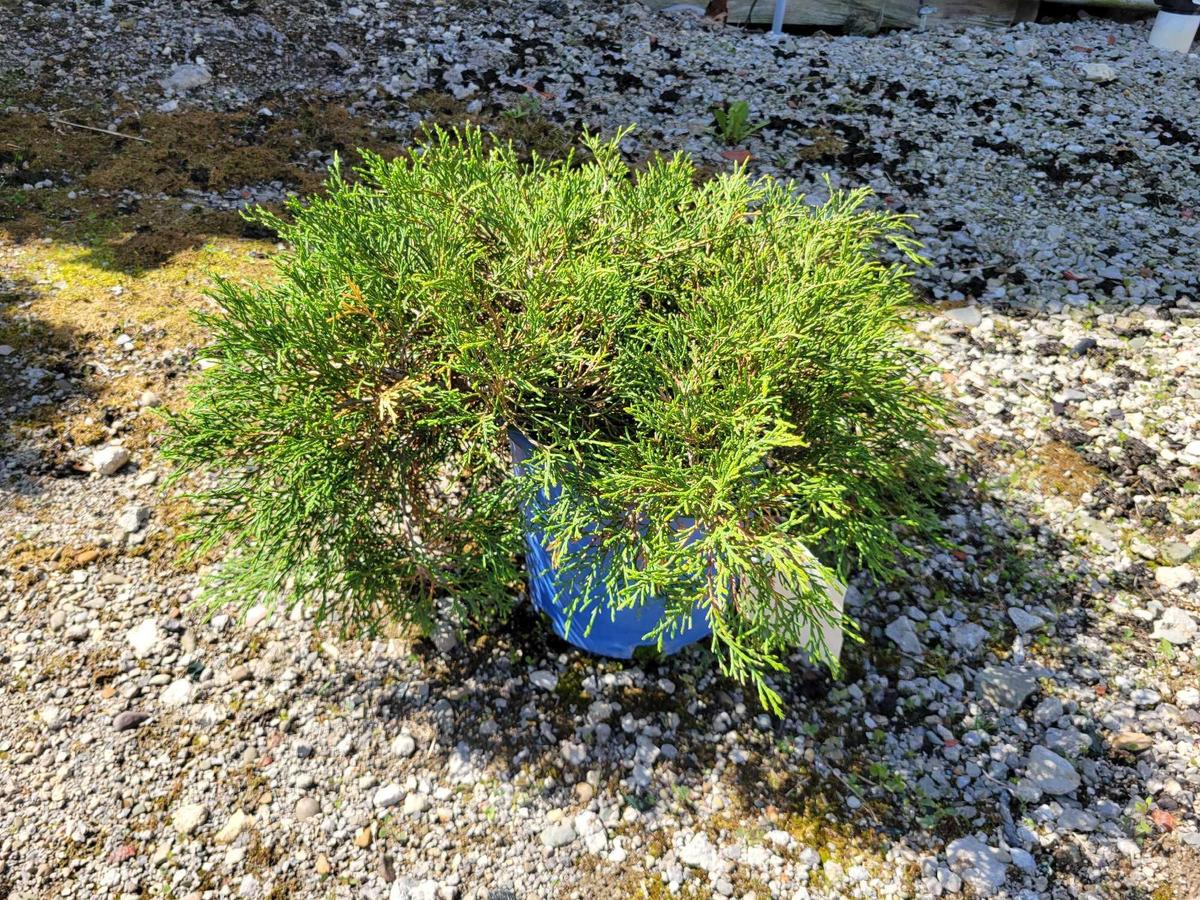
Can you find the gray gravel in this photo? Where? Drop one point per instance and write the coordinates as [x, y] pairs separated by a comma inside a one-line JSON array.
[[1022, 718]]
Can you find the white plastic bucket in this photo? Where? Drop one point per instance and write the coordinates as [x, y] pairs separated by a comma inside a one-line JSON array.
[[1174, 31]]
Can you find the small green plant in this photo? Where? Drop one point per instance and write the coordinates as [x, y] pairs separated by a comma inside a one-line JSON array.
[[720, 351], [733, 124], [881, 775], [1142, 826], [526, 107]]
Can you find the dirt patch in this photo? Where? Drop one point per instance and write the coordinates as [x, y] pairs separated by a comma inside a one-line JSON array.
[[824, 145], [1061, 471], [27, 562]]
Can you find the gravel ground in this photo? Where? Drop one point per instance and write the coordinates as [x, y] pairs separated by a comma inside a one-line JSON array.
[[1022, 719]]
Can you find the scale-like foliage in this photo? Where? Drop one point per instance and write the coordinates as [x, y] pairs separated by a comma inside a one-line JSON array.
[[721, 352]]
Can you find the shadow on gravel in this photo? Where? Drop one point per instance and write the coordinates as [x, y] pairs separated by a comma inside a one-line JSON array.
[[43, 369], [908, 749]]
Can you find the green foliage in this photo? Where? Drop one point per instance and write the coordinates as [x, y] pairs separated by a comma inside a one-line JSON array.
[[733, 122], [720, 351], [526, 106]]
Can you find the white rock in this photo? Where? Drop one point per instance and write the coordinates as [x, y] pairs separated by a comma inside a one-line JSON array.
[[969, 316], [416, 803], [699, 853], [409, 889], [558, 835], [388, 795], [982, 867], [185, 77], [403, 745], [132, 518], [189, 817], [144, 638], [233, 828], [1176, 626], [574, 752], [1098, 73], [51, 716], [588, 823], [256, 614], [1174, 577], [109, 460], [1188, 697], [177, 693], [547, 681]]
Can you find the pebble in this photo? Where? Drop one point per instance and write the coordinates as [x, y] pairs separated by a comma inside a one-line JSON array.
[[1174, 577], [1050, 772], [129, 720], [1025, 621], [404, 746], [178, 693], [388, 795], [967, 316], [132, 518], [1099, 73], [1048, 711], [188, 818], [1005, 687], [1176, 626], [968, 637], [559, 835], [699, 853], [109, 460], [1072, 819], [982, 867], [186, 77], [903, 634], [233, 828], [306, 808]]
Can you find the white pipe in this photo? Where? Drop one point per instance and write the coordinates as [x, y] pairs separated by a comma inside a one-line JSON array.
[[1174, 31], [777, 21]]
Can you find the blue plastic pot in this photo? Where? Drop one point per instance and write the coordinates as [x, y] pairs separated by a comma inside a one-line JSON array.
[[610, 632]]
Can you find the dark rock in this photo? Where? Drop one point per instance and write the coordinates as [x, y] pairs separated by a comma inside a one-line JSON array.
[[1081, 348]]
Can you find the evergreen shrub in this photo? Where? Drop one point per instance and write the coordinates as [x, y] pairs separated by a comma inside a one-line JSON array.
[[720, 351]]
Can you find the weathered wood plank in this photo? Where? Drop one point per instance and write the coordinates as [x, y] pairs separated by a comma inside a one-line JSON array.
[[1147, 5], [859, 13]]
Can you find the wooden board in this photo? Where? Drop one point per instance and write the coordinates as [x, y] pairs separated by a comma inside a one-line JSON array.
[[866, 15], [855, 14]]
